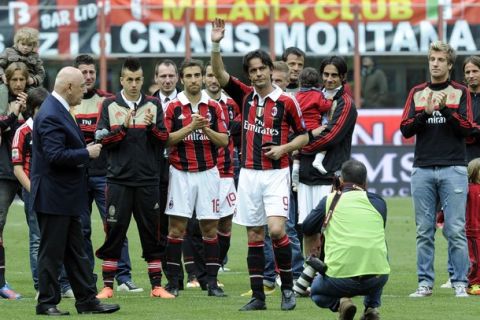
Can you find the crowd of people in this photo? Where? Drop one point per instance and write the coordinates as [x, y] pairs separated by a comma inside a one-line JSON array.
[[272, 155]]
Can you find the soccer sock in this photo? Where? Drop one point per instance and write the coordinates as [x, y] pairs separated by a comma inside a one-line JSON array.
[[2, 265], [155, 272], [223, 245], [173, 257], [283, 257], [188, 260], [256, 266], [109, 269], [212, 264]]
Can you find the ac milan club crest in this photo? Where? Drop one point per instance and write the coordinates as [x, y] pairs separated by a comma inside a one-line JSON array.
[[274, 111]]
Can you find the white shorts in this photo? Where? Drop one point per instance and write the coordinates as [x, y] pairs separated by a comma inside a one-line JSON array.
[[262, 194], [193, 191], [227, 196], [309, 197]]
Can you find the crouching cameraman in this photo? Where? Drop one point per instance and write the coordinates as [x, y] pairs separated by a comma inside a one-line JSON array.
[[353, 224]]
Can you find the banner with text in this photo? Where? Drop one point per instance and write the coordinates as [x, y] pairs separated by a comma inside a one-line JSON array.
[[319, 27]]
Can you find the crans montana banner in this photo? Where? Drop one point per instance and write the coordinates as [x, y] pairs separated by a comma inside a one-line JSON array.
[[319, 27]]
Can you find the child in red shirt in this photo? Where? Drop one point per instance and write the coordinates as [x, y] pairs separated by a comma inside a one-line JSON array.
[[472, 226], [314, 108]]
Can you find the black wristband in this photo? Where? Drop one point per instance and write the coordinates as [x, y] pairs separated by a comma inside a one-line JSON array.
[[310, 136]]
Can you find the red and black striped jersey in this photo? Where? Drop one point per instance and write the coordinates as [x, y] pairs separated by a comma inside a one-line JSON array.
[[312, 103], [196, 152], [22, 146], [265, 120], [225, 155]]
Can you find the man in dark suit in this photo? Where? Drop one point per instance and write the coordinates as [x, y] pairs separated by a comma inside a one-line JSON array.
[[59, 195]]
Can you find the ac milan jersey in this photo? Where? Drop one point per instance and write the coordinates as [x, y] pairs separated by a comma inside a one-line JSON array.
[[225, 155], [265, 121], [87, 112], [22, 146], [196, 152]]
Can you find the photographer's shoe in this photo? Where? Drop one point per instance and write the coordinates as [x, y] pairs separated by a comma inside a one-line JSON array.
[[288, 300], [254, 304], [346, 310], [370, 314]]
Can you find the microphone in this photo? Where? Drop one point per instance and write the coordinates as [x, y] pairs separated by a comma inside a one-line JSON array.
[[100, 135]]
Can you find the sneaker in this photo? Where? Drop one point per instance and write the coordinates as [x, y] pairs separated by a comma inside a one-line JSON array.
[[346, 310], [370, 314], [193, 284], [288, 300], [216, 292], [68, 294], [447, 285], [474, 289], [7, 292], [422, 291], [254, 304], [129, 286], [106, 293], [460, 291], [160, 292], [267, 290]]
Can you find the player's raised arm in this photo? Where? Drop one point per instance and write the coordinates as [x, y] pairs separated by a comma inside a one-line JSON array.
[[217, 34]]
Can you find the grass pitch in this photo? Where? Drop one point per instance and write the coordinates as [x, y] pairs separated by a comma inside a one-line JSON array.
[[194, 304]]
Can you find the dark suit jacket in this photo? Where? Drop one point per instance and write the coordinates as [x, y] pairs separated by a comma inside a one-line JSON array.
[[59, 161]]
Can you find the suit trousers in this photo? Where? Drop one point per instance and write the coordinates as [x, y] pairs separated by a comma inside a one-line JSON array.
[[61, 241]]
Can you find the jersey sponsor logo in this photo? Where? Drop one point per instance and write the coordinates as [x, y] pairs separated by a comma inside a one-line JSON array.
[[259, 127], [196, 135], [436, 118]]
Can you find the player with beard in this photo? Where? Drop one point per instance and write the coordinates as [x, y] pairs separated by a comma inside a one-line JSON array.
[[197, 127], [268, 114]]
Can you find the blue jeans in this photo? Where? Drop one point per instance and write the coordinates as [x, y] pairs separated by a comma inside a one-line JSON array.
[[450, 185], [34, 243], [297, 256], [96, 192], [327, 291]]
